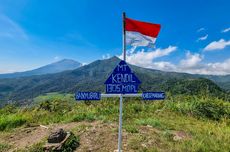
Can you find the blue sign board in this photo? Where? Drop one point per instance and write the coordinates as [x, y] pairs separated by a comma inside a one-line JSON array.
[[122, 80], [88, 96], [153, 95]]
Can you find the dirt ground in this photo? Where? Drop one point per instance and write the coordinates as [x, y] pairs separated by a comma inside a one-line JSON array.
[[94, 136]]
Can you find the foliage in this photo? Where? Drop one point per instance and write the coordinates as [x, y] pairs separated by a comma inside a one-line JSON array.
[[71, 144], [55, 105], [84, 116], [36, 148], [211, 108], [8, 109], [11, 121], [202, 118], [4, 147]]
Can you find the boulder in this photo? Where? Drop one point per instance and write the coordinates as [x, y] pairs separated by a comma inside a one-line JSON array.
[[69, 144], [57, 136]]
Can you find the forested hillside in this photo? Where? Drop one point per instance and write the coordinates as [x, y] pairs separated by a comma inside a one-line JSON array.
[[92, 77]]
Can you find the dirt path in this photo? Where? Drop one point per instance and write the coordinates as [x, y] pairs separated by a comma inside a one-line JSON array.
[[25, 137]]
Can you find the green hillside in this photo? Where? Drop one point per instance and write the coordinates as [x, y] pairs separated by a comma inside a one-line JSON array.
[[92, 77], [222, 81], [194, 117], [179, 123]]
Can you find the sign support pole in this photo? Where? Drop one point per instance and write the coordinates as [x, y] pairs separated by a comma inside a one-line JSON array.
[[120, 125]]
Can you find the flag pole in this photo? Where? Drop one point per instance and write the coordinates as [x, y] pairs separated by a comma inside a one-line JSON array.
[[121, 96], [124, 35]]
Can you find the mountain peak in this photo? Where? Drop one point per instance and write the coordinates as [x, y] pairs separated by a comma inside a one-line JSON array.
[[59, 66], [114, 58], [67, 60]]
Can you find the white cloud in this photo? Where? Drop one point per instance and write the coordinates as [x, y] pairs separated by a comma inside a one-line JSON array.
[[164, 66], [106, 56], [217, 45], [203, 38], [10, 29], [191, 60], [192, 63], [200, 29], [219, 67], [145, 59], [216, 68], [225, 30]]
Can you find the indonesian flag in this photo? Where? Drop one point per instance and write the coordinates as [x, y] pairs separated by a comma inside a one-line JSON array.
[[141, 33]]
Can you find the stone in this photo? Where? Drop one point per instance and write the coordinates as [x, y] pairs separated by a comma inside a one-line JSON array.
[[180, 135], [57, 136]]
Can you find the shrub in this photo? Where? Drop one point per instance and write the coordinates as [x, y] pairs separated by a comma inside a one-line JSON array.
[[214, 109], [11, 121], [56, 105], [8, 109], [71, 144]]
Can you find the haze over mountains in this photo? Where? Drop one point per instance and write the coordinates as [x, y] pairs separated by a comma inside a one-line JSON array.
[[63, 65], [91, 77]]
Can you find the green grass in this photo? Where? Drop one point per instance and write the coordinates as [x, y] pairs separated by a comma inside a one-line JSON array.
[[149, 121], [205, 120], [11, 121], [131, 128], [4, 147]]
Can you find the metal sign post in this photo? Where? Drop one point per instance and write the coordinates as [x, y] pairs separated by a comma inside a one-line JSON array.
[[120, 125], [122, 82]]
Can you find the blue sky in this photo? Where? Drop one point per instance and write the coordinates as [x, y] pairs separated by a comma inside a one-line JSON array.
[[195, 34]]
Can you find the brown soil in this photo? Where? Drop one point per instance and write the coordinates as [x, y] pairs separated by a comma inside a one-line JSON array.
[[94, 136]]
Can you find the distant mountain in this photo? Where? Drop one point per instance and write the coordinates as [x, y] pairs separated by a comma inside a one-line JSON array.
[[91, 77], [63, 65]]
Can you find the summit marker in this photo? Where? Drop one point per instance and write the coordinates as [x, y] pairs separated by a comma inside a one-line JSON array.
[[123, 82]]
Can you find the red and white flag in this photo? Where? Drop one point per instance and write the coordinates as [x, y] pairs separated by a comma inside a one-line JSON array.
[[141, 33]]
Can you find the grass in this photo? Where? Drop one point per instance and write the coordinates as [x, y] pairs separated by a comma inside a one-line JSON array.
[[11, 121], [131, 128], [149, 121], [205, 121], [4, 147]]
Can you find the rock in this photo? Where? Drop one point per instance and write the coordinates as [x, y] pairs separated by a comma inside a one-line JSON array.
[[180, 135], [177, 138], [69, 144], [57, 136]]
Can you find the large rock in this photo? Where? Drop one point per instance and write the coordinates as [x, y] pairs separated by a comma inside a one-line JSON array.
[[57, 136], [69, 144]]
